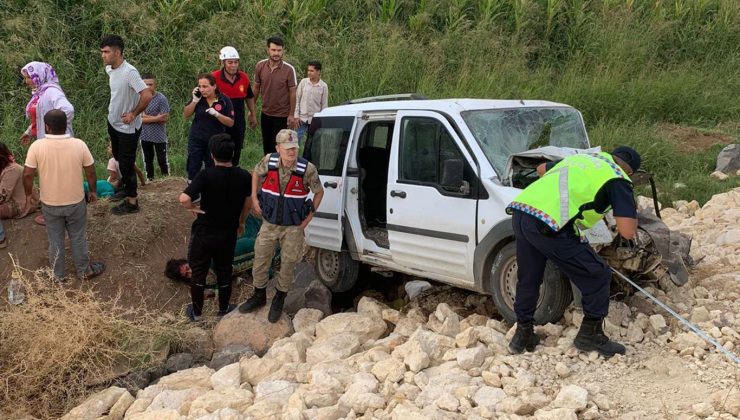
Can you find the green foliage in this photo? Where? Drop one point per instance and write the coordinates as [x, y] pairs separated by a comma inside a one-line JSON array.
[[626, 64]]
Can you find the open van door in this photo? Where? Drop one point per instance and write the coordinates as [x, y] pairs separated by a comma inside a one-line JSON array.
[[326, 148]]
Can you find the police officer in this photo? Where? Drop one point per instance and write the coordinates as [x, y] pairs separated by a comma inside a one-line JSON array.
[[549, 217], [283, 202]]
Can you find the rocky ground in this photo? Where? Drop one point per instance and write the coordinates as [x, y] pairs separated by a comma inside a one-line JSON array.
[[380, 363]]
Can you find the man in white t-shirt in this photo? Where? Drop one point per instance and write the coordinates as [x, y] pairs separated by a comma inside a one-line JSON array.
[[129, 97], [60, 160]]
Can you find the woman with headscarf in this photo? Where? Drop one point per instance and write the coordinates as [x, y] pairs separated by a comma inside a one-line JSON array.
[[47, 95], [12, 195]]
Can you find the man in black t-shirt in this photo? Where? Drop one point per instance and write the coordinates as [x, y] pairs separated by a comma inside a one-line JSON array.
[[225, 193]]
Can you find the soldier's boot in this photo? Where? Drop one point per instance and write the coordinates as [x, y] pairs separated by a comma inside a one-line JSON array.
[[524, 338], [256, 301], [276, 308], [591, 337]]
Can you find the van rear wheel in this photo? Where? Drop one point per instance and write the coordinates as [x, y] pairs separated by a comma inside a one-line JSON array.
[[555, 290], [337, 270]]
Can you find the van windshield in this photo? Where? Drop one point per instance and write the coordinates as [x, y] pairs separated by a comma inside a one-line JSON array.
[[503, 132]]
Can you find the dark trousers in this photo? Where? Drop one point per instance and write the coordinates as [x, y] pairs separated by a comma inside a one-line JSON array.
[[237, 136], [198, 154], [211, 246], [577, 260], [124, 147], [271, 126], [149, 148]]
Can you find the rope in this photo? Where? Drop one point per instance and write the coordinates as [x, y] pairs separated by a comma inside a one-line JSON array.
[[683, 320]]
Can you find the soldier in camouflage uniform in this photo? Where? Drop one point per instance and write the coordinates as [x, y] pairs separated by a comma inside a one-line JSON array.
[[283, 202]]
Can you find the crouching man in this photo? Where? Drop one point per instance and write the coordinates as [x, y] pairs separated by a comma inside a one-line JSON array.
[[548, 217], [283, 202]]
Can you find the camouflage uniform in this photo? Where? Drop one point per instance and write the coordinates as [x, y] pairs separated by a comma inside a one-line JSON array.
[[290, 238]]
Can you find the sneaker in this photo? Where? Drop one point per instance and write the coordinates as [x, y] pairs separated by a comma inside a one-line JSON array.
[[118, 196], [190, 313], [229, 309], [125, 208]]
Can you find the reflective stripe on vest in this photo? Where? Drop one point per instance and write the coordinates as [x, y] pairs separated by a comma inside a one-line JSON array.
[[576, 179]]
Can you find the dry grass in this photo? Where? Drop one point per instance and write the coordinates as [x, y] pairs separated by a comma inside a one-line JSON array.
[[61, 343]]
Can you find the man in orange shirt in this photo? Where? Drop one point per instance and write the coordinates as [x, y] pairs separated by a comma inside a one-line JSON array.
[[60, 160]]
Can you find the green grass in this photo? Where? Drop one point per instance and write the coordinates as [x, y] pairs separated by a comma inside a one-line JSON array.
[[626, 64]]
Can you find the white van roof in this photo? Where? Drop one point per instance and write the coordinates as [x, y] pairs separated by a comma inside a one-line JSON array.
[[442, 105]]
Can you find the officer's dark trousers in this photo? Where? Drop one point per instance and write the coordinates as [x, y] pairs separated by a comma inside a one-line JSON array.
[[578, 261], [208, 245]]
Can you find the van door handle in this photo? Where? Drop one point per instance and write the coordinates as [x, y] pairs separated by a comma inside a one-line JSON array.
[[330, 184], [399, 194]]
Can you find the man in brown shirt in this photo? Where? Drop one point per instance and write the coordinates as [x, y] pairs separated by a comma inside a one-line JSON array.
[[275, 81]]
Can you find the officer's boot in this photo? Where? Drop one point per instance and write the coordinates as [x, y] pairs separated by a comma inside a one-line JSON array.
[[591, 337], [524, 338], [256, 301], [276, 309]]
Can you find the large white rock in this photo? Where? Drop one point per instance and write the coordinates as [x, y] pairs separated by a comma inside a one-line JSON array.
[[365, 327], [290, 349], [556, 414], [254, 369], [572, 397], [371, 307], [265, 409], [495, 340], [472, 358], [216, 400], [305, 320], [228, 376], [390, 368], [177, 399], [97, 404], [333, 347], [488, 397], [433, 344], [223, 414], [361, 394], [278, 391], [252, 329], [199, 377], [166, 414]]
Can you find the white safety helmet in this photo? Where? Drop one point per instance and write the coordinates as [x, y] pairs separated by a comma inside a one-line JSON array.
[[228, 53]]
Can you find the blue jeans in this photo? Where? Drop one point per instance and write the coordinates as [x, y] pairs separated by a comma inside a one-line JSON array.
[[198, 155], [2, 231], [302, 130]]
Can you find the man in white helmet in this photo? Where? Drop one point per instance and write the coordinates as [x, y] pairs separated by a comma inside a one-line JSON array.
[[234, 84]]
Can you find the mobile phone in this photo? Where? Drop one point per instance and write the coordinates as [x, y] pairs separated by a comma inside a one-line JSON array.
[[197, 93]]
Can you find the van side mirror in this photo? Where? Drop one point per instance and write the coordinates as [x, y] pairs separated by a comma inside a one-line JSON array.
[[452, 176]]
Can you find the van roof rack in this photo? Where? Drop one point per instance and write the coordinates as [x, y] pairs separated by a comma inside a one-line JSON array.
[[395, 97]]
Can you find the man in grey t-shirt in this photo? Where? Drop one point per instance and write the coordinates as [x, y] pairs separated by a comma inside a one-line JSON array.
[[129, 97]]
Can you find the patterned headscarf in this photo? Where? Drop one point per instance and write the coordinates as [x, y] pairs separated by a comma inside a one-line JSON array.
[[43, 77]]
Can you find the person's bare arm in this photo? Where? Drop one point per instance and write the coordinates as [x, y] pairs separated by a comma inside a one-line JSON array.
[[255, 200], [140, 175], [252, 107], [246, 207], [28, 175], [145, 96], [316, 202], [292, 121], [92, 184], [627, 227], [541, 169], [151, 119], [187, 202]]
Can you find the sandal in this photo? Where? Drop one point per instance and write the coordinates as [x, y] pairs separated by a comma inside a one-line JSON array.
[[94, 269]]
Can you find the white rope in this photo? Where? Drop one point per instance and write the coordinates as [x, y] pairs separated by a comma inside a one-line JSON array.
[[686, 322]]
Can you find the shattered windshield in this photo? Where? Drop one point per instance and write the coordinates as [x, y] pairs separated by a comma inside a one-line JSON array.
[[503, 132]]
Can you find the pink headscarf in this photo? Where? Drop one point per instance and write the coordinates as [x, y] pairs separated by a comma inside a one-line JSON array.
[[43, 77]]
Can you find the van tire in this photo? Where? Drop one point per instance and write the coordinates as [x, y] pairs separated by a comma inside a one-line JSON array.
[[337, 270], [555, 291]]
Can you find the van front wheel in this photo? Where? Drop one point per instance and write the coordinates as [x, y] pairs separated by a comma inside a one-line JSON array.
[[337, 270], [555, 291]]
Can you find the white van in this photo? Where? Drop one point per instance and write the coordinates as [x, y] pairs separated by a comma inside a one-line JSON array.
[[420, 187]]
